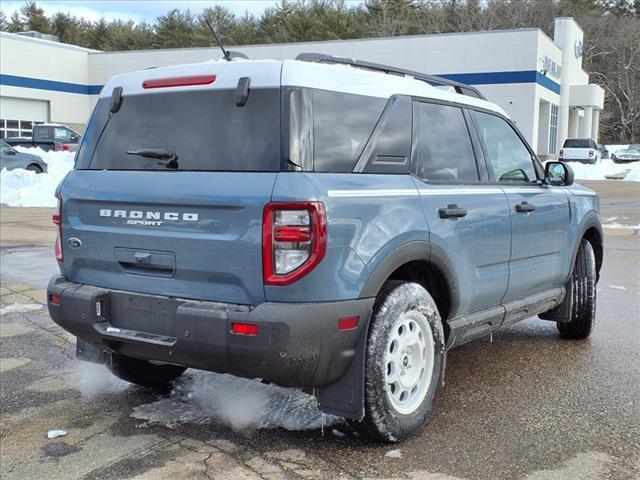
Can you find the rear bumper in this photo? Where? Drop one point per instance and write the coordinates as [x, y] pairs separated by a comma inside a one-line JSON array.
[[580, 160], [298, 345]]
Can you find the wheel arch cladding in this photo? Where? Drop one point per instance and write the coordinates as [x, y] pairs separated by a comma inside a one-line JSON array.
[[591, 230], [594, 236], [425, 264]]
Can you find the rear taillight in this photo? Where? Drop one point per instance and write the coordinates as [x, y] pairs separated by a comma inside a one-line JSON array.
[[57, 219], [294, 240], [65, 148]]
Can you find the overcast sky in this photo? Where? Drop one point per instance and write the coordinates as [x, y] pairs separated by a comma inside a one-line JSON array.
[[139, 10]]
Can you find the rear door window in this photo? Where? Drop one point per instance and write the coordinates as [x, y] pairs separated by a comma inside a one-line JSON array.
[[61, 134], [204, 128], [444, 146]]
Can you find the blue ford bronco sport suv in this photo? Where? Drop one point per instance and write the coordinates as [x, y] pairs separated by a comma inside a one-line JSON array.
[[320, 223]]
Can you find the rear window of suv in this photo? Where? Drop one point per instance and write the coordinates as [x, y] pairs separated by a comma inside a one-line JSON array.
[[204, 128], [576, 143]]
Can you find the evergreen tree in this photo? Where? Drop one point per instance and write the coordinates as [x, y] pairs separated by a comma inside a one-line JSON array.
[[69, 29], [34, 18], [4, 24], [15, 24], [100, 36], [176, 29]]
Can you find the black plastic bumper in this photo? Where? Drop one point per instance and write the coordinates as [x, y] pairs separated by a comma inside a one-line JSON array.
[[298, 345]]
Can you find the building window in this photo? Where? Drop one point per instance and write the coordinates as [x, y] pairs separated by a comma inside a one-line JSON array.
[[553, 129], [15, 128]]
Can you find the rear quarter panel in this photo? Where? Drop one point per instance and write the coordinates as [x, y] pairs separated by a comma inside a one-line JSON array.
[[368, 216]]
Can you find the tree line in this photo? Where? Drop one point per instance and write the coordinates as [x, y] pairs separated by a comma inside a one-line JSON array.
[[611, 54]]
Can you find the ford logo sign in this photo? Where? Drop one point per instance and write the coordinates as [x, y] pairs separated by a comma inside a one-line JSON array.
[[74, 242]]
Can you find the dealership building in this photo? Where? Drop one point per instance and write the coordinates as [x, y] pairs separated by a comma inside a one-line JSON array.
[[537, 80]]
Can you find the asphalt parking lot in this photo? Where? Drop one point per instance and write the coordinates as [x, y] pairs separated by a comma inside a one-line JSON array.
[[526, 405]]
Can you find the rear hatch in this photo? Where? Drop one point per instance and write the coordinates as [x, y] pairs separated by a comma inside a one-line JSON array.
[[577, 149], [171, 181]]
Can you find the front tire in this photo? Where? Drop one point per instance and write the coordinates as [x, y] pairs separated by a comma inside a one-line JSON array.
[[576, 316], [34, 168], [404, 362], [141, 372]]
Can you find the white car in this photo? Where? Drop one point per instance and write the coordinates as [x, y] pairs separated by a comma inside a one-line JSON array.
[[583, 150]]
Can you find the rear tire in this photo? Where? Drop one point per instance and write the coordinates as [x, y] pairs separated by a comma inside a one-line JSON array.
[[141, 372], [576, 316], [404, 362]]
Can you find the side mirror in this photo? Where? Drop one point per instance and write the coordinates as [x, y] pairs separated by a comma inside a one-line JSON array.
[[558, 174], [12, 151], [74, 138]]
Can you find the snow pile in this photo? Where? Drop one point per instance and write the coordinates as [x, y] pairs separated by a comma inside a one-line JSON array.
[[604, 168], [21, 188], [211, 398]]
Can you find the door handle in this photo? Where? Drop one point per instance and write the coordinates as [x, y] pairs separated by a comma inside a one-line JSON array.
[[525, 207], [452, 211], [142, 257]]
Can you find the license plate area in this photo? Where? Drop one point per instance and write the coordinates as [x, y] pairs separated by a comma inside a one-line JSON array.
[[142, 313]]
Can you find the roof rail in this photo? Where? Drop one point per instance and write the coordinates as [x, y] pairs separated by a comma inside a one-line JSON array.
[[461, 88]]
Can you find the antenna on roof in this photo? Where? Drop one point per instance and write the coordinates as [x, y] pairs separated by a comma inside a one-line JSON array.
[[225, 53]]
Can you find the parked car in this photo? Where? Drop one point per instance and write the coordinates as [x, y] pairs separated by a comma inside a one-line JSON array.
[[317, 223], [626, 155], [11, 159], [583, 150], [604, 153], [48, 136]]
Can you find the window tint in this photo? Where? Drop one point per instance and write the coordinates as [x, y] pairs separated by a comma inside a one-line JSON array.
[[508, 156], [205, 129], [61, 133], [576, 143], [342, 124], [444, 146]]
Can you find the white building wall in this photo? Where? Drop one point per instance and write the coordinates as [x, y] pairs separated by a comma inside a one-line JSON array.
[[46, 62]]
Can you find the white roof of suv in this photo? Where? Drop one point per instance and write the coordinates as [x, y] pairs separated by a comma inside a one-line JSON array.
[[294, 73]]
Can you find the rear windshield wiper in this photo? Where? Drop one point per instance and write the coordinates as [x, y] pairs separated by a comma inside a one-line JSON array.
[[168, 158]]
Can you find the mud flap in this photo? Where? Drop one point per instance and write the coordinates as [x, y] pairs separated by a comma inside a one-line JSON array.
[[89, 353], [345, 397]]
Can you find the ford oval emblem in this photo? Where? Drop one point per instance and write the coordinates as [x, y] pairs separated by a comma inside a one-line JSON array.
[[74, 242]]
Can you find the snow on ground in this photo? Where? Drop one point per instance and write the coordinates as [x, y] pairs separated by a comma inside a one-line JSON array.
[[203, 398], [211, 398], [605, 168], [21, 188]]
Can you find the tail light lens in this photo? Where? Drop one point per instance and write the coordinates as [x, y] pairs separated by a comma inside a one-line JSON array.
[[57, 219], [294, 240], [65, 148]]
